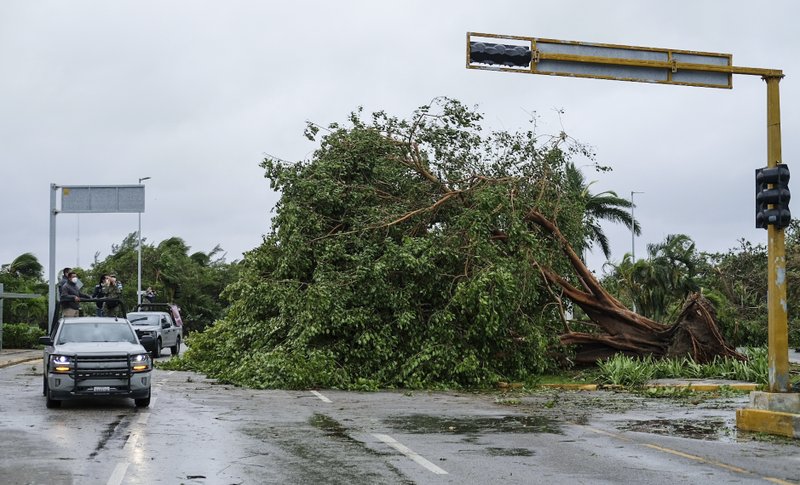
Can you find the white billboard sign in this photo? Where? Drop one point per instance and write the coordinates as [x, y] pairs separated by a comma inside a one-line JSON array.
[[102, 198]]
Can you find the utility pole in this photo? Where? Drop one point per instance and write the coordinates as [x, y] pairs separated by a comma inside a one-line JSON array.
[[633, 228]]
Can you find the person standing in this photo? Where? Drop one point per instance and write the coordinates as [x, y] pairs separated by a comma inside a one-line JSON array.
[[150, 295], [71, 296], [98, 293], [112, 290], [64, 279]]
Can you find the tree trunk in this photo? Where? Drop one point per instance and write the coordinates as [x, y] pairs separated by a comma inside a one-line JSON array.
[[694, 334]]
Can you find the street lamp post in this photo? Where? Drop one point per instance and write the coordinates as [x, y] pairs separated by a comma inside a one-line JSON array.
[[633, 228], [633, 243], [139, 257]]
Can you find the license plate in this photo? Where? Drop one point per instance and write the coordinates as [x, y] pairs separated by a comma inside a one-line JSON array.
[[102, 389]]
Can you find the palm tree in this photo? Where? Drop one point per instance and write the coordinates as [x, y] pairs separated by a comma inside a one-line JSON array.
[[25, 265], [603, 206], [659, 284]]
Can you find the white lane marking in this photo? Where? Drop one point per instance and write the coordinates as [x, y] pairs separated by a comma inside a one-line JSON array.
[[119, 471], [131, 443], [320, 396], [118, 474], [410, 453], [133, 438]]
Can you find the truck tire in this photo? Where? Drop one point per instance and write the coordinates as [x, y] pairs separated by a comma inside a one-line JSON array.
[[51, 403], [176, 349], [144, 402]]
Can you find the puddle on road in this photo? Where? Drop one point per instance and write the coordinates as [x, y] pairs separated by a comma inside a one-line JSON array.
[[332, 429], [339, 458], [509, 452], [423, 423], [716, 429]]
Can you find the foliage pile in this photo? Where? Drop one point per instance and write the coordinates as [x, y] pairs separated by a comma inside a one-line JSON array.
[[400, 256]]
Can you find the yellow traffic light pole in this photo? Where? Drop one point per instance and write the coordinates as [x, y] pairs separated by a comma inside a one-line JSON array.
[[776, 411], [776, 253]]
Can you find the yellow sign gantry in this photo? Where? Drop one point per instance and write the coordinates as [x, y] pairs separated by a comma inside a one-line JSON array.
[[533, 55]]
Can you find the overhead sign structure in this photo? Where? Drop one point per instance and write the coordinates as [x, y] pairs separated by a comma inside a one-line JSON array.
[[83, 199], [669, 66], [535, 55], [102, 198]]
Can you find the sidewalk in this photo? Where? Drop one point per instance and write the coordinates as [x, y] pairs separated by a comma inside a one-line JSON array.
[[17, 356]]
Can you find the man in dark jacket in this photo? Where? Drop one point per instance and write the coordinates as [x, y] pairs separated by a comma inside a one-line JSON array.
[[71, 296]]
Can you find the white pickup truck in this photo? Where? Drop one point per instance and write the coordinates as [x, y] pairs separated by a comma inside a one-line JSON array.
[[96, 357], [160, 321]]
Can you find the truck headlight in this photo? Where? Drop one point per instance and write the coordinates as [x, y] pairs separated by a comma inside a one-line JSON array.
[[61, 363], [140, 363]]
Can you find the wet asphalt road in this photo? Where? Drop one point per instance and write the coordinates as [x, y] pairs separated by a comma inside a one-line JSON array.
[[199, 432]]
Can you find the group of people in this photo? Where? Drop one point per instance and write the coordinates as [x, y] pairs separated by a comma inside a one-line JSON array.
[[108, 289]]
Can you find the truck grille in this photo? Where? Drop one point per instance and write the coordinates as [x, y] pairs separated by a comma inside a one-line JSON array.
[[102, 366]]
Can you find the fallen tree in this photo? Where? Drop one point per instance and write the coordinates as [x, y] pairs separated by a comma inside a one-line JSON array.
[[694, 334], [405, 253]]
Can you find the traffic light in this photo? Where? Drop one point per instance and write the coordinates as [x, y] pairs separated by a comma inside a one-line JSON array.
[[499, 54], [772, 189]]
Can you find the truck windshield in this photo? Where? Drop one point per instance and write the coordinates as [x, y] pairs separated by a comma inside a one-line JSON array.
[[140, 319], [96, 332]]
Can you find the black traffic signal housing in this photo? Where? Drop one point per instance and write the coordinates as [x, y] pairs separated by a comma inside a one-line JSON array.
[[499, 54], [772, 189]]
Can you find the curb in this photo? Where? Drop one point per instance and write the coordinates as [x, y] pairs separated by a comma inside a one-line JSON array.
[[770, 422], [688, 385], [20, 361]]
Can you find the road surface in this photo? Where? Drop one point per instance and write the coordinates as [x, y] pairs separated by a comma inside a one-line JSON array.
[[199, 432]]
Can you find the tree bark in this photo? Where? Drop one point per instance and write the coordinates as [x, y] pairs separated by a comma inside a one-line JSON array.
[[695, 333]]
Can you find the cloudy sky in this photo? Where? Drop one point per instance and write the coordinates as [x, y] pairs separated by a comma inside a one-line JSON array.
[[194, 93]]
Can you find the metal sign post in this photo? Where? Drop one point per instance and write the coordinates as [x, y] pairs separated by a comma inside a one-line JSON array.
[[81, 199]]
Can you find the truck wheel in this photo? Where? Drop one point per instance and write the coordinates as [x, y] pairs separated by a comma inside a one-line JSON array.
[[52, 403], [157, 350], [176, 349], [142, 403], [44, 385]]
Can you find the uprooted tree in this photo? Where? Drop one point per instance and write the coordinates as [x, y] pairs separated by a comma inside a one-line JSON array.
[[421, 252]]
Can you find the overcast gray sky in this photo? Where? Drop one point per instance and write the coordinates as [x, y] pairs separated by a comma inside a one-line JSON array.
[[194, 93]]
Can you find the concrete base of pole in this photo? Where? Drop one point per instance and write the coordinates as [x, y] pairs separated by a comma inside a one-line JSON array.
[[771, 413]]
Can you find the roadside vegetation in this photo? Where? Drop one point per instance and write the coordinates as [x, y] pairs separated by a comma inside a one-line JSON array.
[[192, 280], [367, 280], [400, 255], [625, 371], [21, 335]]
